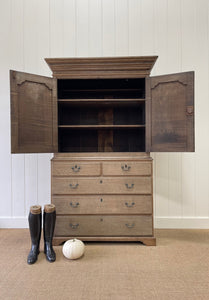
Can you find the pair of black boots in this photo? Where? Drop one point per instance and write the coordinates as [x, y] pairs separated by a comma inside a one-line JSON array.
[[35, 222]]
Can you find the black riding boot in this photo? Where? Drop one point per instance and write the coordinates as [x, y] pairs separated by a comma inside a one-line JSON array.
[[49, 224], [34, 220]]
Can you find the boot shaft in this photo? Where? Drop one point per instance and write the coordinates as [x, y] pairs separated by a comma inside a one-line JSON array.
[[35, 222], [49, 222]]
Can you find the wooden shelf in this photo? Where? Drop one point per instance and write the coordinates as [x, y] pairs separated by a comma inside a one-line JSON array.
[[100, 126], [101, 100], [102, 90]]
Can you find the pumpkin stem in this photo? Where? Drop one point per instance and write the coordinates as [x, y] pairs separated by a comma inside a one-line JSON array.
[[73, 240]]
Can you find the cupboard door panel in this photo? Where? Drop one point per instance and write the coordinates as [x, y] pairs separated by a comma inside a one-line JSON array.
[[33, 113], [172, 113]]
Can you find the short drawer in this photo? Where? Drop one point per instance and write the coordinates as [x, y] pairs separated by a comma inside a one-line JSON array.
[[66, 168], [101, 225], [127, 168], [102, 185], [103, 204]]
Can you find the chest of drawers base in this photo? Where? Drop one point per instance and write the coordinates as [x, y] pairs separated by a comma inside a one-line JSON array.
[[148, 241], [103, 197]]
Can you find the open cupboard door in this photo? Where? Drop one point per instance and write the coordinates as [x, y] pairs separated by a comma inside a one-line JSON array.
[[33, 113], [171, 110]]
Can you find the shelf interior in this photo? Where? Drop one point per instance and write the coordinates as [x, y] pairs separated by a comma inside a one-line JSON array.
[[111, 114], [101, 115], [102, 140], [99, 126], [101, 88]]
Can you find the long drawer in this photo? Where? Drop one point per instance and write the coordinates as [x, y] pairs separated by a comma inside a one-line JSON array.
[[102, 185], [101, 225], [103, 204], [127, 168], [66, 168]]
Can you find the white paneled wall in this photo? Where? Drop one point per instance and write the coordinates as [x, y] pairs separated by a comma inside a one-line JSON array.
[[175, 30]]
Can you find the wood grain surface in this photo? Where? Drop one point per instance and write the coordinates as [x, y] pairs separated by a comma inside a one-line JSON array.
[[103, 204], [103, 225]]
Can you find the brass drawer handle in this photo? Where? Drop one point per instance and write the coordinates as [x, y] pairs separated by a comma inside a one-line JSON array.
[[74, 186], [74, 226], [130, 205], [125, 167], [130, 225], [74, 205], [76, 168], [129, 186]]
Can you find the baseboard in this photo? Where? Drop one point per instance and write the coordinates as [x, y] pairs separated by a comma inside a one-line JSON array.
[[181, 223], [159, 222], [13, 222]]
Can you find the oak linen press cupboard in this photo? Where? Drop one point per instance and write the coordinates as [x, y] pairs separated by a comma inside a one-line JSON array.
[[102, 117]]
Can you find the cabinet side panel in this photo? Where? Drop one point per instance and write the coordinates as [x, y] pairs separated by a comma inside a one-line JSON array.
[[54, 117], [148, 115]]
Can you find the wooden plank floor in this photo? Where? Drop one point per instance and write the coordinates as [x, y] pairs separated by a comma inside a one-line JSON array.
[[177, 268]]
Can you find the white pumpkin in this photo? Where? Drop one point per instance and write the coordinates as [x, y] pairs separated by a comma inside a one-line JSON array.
[[73, 249]]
